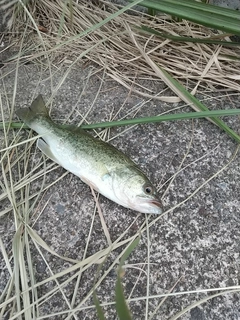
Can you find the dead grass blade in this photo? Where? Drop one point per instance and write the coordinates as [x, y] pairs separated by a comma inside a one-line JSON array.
[[187, 62]]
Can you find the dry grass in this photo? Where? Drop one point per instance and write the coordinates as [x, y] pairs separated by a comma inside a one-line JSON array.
[[196, 65]]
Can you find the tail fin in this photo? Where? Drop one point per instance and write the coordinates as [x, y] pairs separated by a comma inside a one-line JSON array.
[[37, 108]]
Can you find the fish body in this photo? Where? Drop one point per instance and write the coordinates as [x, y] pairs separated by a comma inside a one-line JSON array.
[[103, 167]]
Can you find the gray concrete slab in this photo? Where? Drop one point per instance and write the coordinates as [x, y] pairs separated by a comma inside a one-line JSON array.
[[233, 4]]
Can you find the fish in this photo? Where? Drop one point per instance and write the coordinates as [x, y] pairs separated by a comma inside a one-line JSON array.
[[97, 163]]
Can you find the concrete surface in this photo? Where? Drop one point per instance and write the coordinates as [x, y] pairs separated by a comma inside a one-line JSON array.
[[198, 242], [231, 4]]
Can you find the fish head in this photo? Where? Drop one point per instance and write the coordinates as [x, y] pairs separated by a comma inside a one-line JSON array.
[[134, 190]]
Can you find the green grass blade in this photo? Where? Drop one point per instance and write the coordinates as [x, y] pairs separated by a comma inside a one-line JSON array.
[[128, 251], [170, 117], [189, 39], [121, 304], [189, 115], [99, 309], [219, 18], [186, 4], [194, 102]]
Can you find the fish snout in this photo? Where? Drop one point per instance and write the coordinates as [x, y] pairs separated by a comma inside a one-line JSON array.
[[156, 206], [152, 206]]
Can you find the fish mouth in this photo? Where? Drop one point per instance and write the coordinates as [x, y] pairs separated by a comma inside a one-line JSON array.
[[153, 206], [156, 203]]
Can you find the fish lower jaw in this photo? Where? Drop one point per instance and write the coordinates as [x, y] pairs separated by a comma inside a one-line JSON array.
[[148, 206]]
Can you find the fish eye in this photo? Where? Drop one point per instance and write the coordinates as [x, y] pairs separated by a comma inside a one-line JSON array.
[[148, 189]]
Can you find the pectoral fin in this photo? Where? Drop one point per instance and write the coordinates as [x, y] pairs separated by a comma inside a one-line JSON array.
[[44, 147]]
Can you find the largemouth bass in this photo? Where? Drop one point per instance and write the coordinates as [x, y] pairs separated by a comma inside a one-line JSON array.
[[97, 163]]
